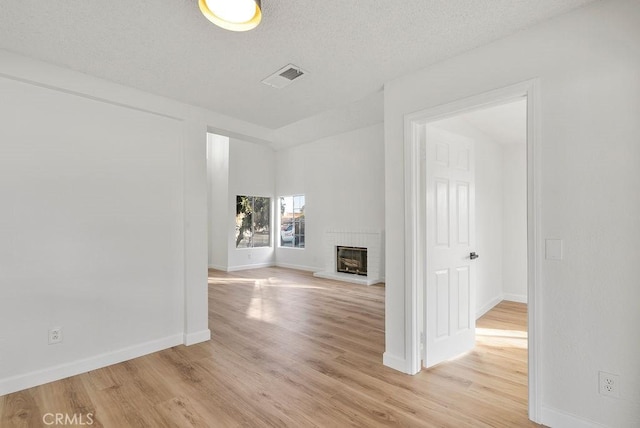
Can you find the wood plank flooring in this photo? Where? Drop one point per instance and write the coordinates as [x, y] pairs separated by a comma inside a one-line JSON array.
[[291, 350]]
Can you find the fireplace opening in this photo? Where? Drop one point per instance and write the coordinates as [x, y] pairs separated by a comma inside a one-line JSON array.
[[351, 260]]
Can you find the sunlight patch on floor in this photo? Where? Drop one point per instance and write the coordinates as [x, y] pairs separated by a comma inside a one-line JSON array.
[[501, 338], [262, 306], [262, 310], [264, 282], [295, 285], [222, 281]]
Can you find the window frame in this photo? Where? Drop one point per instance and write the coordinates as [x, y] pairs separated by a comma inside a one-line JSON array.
[[251, 243], [299, 237]]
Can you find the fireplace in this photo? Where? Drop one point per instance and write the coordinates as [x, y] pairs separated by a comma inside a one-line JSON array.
[[370, 271], [351, 260]]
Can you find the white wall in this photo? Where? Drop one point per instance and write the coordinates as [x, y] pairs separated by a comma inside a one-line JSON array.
[[342, 178], [251, 173], [489, 231], [587, 64], [218, 202], [103, 221], [92, 227], [344, 170], [514, 222]]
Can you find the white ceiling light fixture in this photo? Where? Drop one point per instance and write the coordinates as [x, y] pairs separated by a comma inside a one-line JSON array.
[[234, 15]]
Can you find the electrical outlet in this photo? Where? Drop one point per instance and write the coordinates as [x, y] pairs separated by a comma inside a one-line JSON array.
[[609, 384], [55, 335]]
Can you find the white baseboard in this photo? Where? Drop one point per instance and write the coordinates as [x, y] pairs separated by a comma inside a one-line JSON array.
[[394, 362], [245, 267], [555, 418], [40, 377], [520, 298], [297, 267], [488, 306], [197, 337], [218, 267]]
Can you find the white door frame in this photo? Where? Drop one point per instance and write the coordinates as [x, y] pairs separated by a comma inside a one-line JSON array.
[[414, 251]]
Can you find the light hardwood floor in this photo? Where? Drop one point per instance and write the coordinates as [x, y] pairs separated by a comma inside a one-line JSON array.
[[291, 350]]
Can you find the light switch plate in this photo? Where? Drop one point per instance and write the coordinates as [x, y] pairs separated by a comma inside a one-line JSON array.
[[553, 249]]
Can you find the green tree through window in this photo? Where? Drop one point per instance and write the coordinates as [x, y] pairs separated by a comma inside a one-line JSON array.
[[253, 221]]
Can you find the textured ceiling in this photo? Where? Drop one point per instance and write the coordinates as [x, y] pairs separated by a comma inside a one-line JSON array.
[[349, 48]]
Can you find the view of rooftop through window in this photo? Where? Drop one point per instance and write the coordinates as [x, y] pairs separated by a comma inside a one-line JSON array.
[[292, 221]]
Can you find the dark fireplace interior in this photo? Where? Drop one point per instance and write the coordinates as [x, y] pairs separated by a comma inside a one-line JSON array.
[[352, 260]]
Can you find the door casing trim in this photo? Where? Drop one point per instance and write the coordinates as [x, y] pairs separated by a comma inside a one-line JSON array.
[[413, 251]]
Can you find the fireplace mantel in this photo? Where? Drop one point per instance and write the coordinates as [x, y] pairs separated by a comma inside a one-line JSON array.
[[369, 239]]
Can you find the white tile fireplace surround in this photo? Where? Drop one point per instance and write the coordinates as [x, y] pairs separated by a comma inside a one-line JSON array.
[[369, 239]]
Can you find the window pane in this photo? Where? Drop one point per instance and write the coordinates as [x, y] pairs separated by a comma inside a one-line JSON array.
[[253, 221], [292, 221], [286, 221], [244, 208], [261, 222], [298, 212]]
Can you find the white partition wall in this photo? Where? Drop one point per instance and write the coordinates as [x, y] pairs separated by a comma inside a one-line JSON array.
[[589, 87]]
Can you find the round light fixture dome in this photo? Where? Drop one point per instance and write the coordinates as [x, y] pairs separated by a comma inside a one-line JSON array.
[[234, 15]]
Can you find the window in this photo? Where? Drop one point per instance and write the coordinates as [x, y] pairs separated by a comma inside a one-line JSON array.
[[253, 222], [292, 221]]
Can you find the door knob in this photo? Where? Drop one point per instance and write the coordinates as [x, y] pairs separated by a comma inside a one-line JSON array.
[[473, 256]]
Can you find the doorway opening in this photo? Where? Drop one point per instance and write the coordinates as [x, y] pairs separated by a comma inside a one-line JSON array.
[[470, 174], [475, 215]]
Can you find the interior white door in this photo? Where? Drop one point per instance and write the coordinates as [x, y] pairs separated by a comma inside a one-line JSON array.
[[450, 234]]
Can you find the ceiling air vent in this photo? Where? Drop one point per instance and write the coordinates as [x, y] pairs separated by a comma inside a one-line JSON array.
[[284, 77]]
